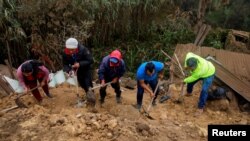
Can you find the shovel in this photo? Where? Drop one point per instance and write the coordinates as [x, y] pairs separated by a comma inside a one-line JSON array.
[[146, 113], [167, 95], [90, 94], [181, 96], [79, 100], [9, 109], [106, 84], [91, 97], [19, 103]]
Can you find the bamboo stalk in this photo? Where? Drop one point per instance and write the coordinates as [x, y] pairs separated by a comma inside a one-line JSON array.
[[169, 57], [180, 99], [172, 60], [179, 65]]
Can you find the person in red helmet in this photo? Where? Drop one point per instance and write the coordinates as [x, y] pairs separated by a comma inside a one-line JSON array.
[[111, 69]]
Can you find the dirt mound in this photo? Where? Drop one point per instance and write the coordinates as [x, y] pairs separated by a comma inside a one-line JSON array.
[[59, 119]]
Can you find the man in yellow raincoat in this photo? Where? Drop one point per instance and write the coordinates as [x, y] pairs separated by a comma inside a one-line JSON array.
[[200, 69]]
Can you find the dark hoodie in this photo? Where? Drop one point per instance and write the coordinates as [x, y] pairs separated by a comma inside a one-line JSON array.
[[83, 57], [108, 70]]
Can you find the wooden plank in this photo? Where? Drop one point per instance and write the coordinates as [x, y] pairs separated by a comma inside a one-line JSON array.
[[10, 69], [8, 85], [200, 34], [203, 31], [204, 34], [2, 92], [5, 87]]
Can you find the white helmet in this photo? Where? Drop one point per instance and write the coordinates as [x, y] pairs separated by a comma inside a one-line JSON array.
[[71, 43]]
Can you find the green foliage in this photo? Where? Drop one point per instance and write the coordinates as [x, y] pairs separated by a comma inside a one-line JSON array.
[[12, 35], [234, 15], [216, 38], [216, 44], [132, 26], [160, 37], [176, 32]]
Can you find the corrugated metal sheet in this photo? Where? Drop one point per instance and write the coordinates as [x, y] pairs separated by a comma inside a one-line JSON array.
[[233, 71]]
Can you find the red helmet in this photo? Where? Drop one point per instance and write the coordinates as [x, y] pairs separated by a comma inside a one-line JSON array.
[[115, 58]]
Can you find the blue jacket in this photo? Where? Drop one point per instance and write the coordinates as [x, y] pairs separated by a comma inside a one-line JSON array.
[[141, 72]]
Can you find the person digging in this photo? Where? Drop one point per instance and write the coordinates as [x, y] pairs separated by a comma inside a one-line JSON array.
[[148, 73], [111, 69], [199, 69], [78, 60], [29, 73]]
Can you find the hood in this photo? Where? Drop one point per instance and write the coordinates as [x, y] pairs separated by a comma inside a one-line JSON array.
[[116, 54]]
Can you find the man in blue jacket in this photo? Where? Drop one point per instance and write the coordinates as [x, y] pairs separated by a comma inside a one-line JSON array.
[[111, 69], [148, 73]]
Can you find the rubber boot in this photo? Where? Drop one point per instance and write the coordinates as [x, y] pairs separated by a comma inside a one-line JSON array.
[[118, 100], [49, 95]]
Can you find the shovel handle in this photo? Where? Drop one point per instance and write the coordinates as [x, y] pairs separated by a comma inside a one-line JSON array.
[[157, 86], [8, 109], [180, 99], [28, 92], [152, 99], [182, 89], [106, 84]]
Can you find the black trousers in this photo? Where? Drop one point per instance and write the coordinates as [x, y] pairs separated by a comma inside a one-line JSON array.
[[85, 79], [115, 86], [140, 90]]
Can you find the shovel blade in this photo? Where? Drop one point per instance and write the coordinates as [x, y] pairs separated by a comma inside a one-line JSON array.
[[148, 116], [90, 95], [180, 100], [80, 103], [20, 104]]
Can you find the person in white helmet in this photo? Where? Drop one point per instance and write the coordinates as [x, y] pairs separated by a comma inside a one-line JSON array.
[[77, 58]]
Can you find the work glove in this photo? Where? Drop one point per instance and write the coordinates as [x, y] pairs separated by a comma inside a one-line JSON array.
[[115, 80], [183, 83], [160, 77], [102, 82], [152, 94], [76, 65], [42, 83], [26, 89], [71, 73], [186, 73]]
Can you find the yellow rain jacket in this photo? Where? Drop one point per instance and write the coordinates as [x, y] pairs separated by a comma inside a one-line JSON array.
[[204, 68]]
